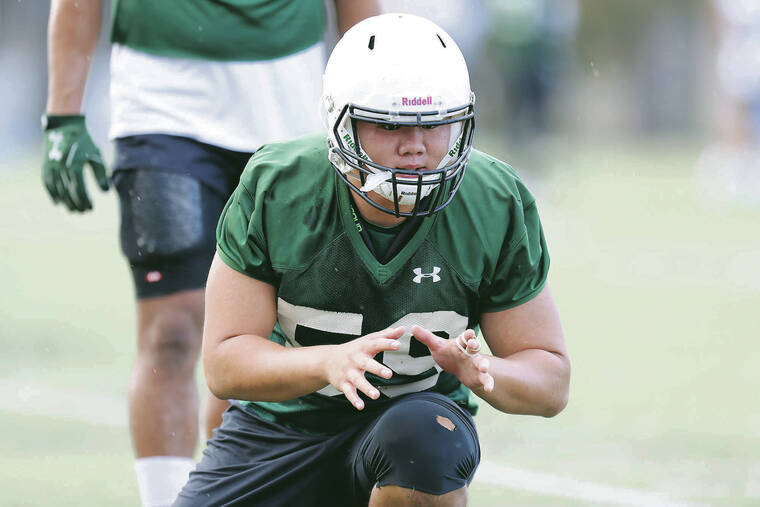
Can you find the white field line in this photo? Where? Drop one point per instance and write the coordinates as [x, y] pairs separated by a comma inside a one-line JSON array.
[[109, 410], [509, 477]]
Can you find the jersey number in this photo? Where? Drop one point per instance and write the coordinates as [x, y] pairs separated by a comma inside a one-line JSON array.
[[401, 361]]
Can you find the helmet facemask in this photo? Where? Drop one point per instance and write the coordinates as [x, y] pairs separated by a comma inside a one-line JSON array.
[[427, 191]]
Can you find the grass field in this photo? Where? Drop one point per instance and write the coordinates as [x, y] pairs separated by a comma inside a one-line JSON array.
[[657, 290]]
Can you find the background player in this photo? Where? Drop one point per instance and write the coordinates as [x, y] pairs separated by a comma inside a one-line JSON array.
[[728, 169], [343, 301], [194, 90]]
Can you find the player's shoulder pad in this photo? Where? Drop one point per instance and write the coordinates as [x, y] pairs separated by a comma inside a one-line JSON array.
[[494, 180], [296, 161]]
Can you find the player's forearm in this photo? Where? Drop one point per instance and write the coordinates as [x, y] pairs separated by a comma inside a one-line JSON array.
[[73, 31], [253, 368], [350, 12], [530, 382]]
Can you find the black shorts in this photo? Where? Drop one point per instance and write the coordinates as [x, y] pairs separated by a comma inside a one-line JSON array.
[[171, 192], [421, 441]]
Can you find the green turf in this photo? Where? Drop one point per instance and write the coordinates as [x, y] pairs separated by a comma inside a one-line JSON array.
[[657, 291], [56, 462]]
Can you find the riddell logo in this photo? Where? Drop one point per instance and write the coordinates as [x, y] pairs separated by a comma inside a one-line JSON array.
[[351, 144], [453, 151], [416, 101]]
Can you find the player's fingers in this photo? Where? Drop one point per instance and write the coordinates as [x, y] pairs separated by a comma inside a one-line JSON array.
[[391, 332], [66, 181], [350, 392], [61, 189], [79, 191], [74, 178], [380, 344], [69, 183], [377, 368], [482, 364], [473, 346], [486, 380], [469, 346], [426, 337], [48, 178], [381, 340], [362, 384], [99, 170]]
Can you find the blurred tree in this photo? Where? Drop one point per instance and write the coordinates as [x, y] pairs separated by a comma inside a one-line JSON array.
[[654, 52]]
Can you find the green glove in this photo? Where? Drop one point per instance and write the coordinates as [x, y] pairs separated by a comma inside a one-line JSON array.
[[68, 147]]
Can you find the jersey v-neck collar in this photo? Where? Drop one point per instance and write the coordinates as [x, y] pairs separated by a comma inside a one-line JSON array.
[[352, 223]]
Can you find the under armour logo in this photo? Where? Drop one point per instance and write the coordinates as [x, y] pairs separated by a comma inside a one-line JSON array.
[[55, 150], [419, 275]]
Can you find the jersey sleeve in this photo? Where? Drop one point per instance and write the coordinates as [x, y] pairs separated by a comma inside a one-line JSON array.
[[239, 235], [523, 264]]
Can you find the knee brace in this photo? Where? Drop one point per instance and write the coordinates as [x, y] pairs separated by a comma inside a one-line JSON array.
[[424, 442]]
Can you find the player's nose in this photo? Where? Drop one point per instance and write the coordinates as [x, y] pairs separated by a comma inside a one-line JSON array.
[[412, 141]]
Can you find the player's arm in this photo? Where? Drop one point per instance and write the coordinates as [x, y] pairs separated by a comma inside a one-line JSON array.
[[240, 362], [73, 31], [529, 371], [350, 12], [530, 364]]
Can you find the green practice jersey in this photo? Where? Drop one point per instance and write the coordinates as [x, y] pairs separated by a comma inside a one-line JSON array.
[[290, 223], [220, 30]]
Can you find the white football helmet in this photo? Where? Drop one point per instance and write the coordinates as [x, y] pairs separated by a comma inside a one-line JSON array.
[[400, 70]]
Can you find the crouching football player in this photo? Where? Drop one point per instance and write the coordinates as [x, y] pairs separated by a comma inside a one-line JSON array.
[[350, 279]]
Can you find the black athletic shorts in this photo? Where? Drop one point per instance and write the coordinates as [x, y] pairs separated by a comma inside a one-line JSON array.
[[421, 441], [171, 192]]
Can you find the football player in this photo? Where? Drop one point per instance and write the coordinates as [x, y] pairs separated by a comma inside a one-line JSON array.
[[352, 275], [195, 88]]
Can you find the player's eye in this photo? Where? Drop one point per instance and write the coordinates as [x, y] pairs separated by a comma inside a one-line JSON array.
[[430, 127], [389, 127]]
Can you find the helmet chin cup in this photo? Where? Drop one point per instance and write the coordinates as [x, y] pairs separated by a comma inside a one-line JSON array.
[[370, 77]]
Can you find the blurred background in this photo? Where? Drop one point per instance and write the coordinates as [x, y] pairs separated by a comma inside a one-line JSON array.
[[637, 127]]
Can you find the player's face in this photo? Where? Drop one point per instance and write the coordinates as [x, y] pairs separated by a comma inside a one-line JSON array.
[[420, 148]]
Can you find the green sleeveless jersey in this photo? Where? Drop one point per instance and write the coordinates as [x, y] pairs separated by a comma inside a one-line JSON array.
[[220, 30], [290, 223]]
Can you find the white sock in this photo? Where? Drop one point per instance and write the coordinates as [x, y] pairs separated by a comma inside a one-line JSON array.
[[160, 478]]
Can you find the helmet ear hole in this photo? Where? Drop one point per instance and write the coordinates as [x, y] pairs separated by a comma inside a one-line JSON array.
[[440, 39]]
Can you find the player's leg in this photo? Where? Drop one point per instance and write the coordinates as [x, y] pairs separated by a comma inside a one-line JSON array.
[[396, 496], [423, 450], [167, 235], [163, 399], [254, 461]]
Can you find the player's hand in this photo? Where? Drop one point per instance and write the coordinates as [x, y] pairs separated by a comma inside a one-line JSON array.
[[68, 147], [462, 359], [349, 362]]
